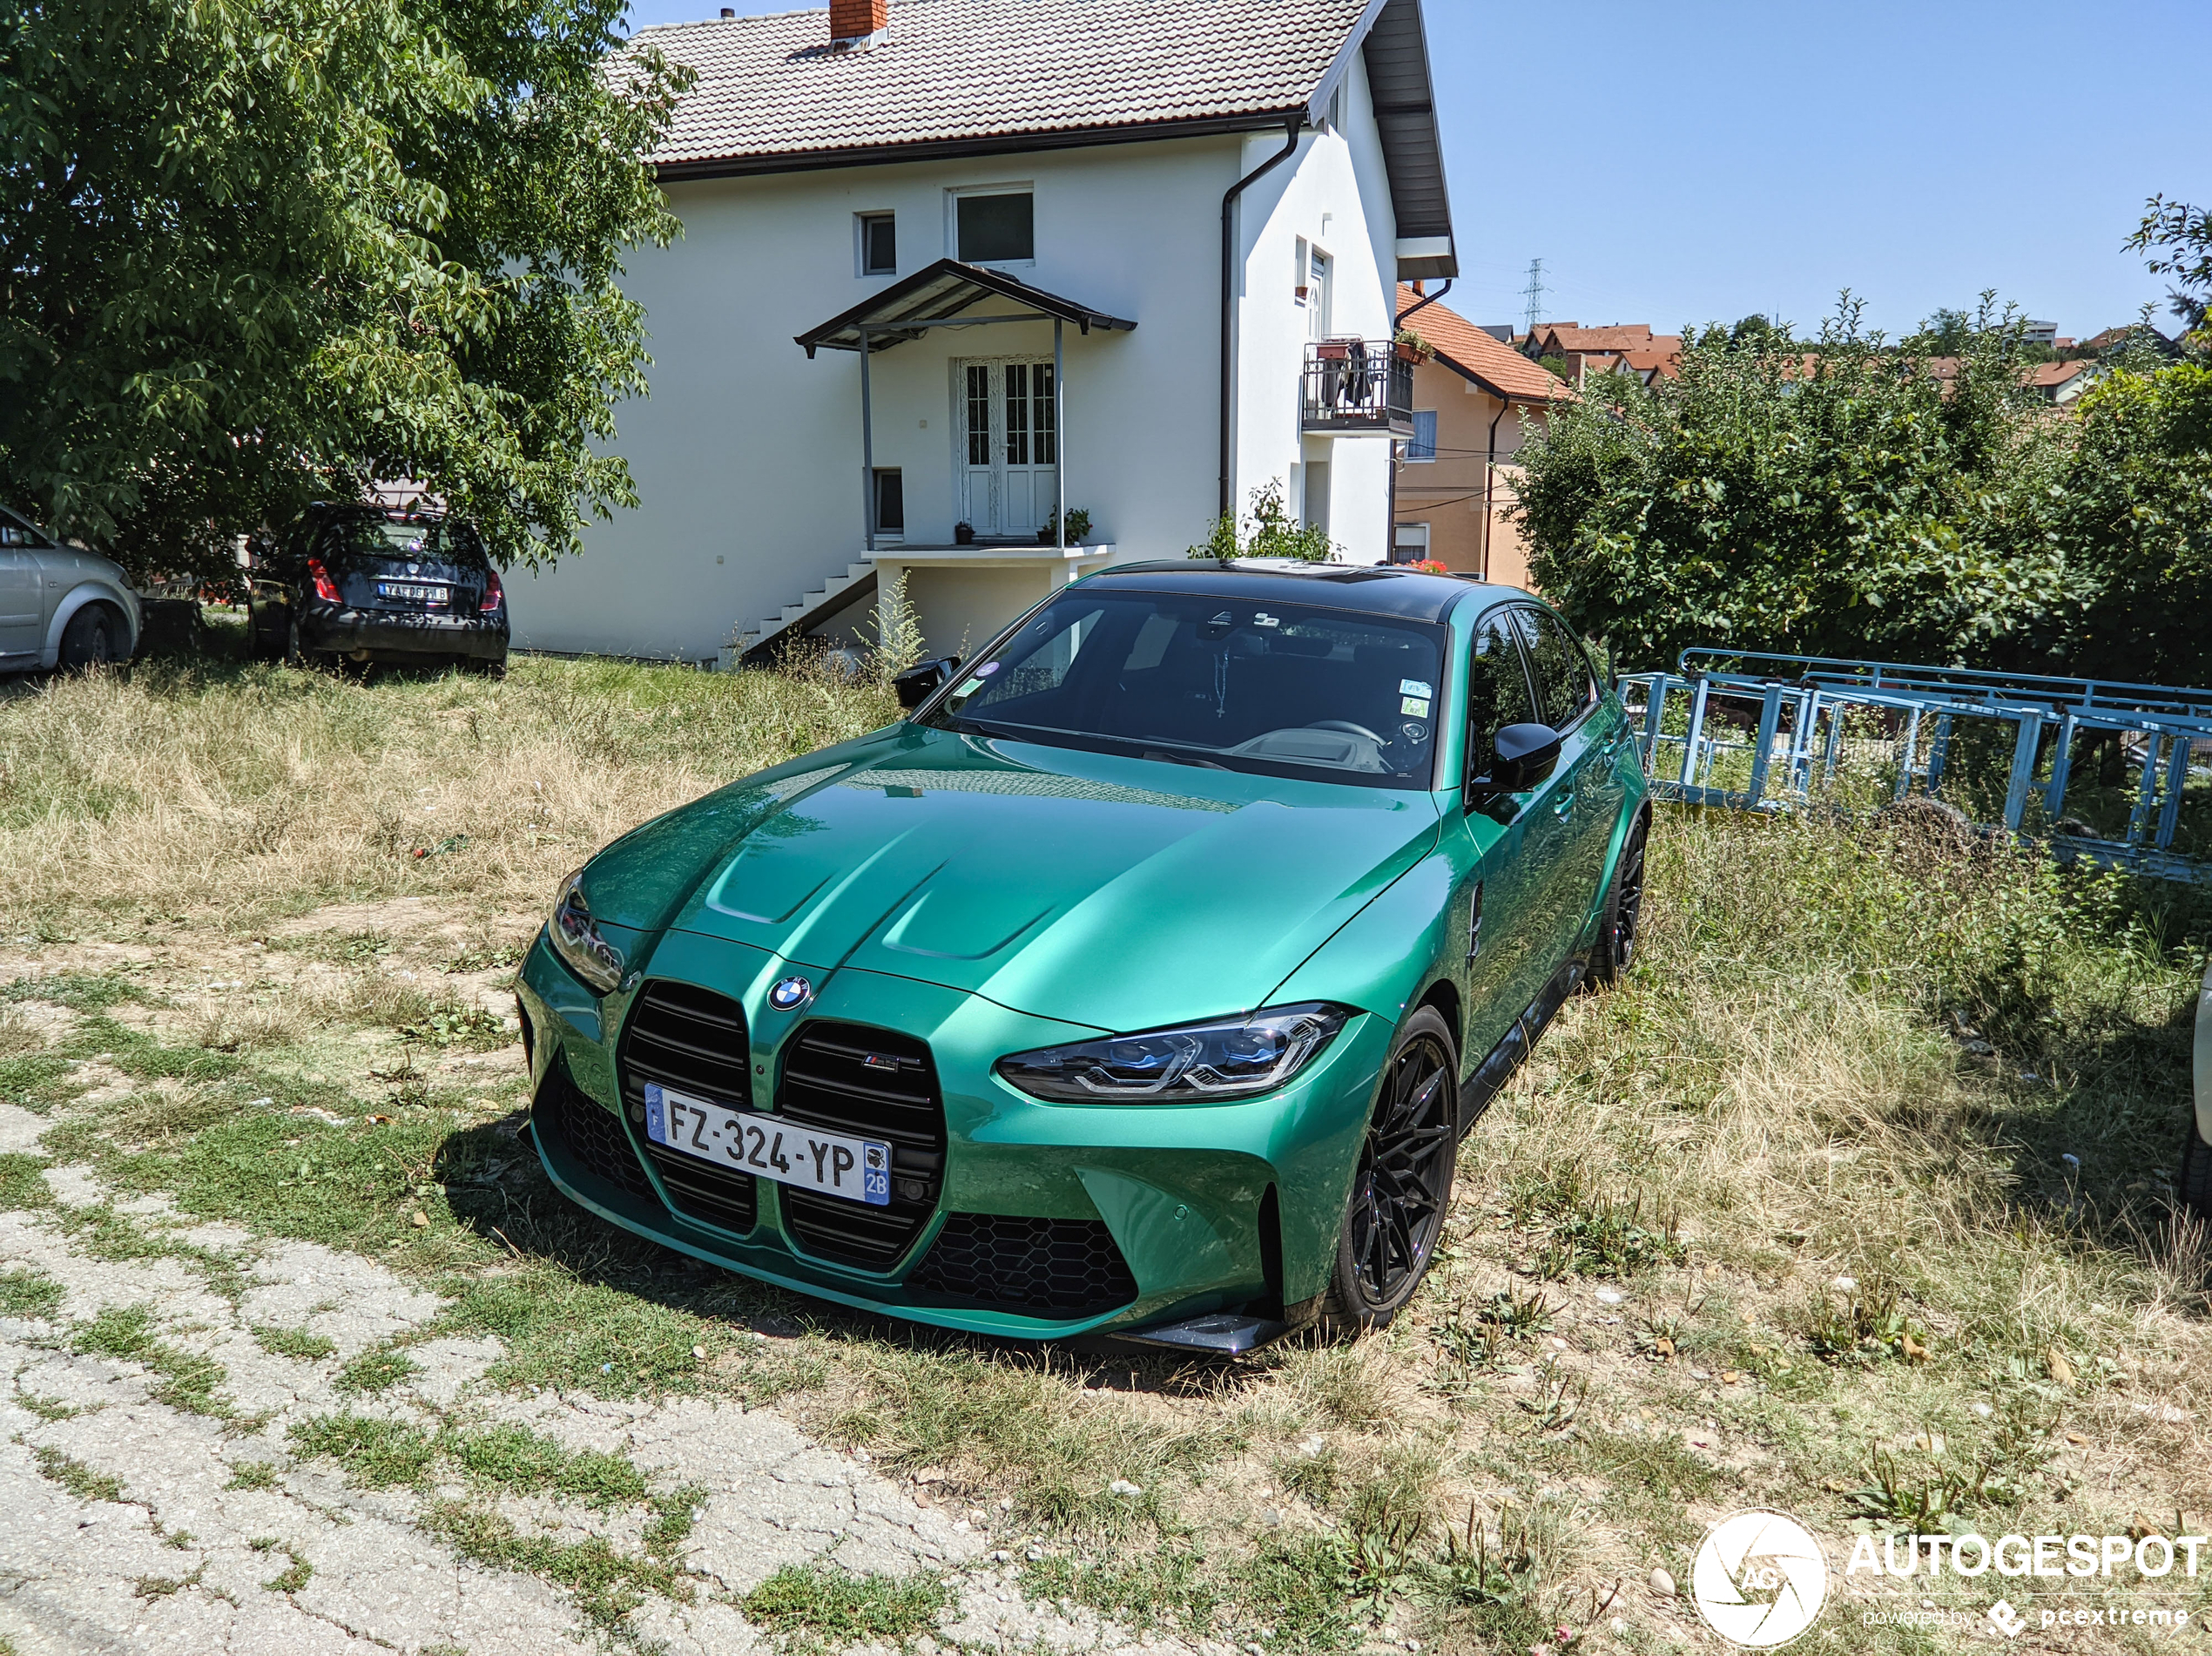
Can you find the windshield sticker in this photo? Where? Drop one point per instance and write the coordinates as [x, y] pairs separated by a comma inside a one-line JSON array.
[[986, 669], [1414, 688], [969, 688], [1417, 705]]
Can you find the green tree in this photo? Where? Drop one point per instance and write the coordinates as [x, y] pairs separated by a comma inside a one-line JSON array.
[[2179, 239], [253, 254], [1270, 531], [1860, 506], [2131, 511]]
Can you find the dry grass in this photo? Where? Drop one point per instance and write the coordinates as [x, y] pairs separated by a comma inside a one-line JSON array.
[[1870, 1143], [242, 795]]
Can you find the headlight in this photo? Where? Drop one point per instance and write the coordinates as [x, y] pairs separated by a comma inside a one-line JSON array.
[[1234, 1058], [577, 939]]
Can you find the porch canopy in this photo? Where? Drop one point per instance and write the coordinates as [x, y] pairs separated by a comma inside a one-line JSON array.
[[939, 296], [935, 296]]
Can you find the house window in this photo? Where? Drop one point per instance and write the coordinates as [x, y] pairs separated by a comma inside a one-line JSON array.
[[1420, 447], [979, 414], [1410, 543], [1317, 294], [999, 227], [1316, 512], [890, 501], [879, 243]]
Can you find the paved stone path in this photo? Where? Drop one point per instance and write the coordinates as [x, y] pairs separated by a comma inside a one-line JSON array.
[[188, 1560]]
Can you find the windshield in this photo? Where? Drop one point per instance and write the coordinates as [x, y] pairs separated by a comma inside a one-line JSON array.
[[1280, 689], [434, 540]]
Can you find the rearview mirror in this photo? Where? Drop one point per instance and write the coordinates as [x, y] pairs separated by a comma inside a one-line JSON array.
[[1524, 756], [917, 684]]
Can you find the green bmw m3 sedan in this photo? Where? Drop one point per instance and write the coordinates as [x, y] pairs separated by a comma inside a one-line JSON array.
[[1139, 983]]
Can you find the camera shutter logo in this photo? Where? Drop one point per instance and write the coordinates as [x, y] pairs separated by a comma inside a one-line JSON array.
[[1759, 1578]]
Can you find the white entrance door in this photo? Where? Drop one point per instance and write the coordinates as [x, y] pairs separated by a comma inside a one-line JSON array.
[[1008, 443]]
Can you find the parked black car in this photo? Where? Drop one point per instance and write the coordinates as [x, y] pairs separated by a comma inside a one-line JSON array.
[[367, 584]]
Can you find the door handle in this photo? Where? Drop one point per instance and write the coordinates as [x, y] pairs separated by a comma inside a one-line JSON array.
[[1563, 805]]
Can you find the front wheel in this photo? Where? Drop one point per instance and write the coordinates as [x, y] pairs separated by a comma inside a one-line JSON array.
[[90, 639], [1403, 1185], [1618, 927]]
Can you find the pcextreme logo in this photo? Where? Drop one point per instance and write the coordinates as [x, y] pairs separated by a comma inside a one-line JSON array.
[[1759, 1578]]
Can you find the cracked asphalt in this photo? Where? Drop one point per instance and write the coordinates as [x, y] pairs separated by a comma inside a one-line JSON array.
[[195, 1555]]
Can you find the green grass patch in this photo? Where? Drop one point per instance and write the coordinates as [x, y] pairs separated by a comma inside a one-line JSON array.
[[377, 1453], [375, 1371], [23, 1182], [293, 1577], [302, 1345], [189, 1378], [29, 1293], [37, 1081], [517, 1459], [839, 1608], [607, 1585], [74, 1475], [253, 1475]]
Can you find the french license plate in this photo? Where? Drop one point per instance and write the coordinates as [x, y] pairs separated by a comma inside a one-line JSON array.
[[414, 590], [769, 1146]]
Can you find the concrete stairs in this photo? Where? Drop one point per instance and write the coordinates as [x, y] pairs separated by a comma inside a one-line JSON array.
[[838, 593]]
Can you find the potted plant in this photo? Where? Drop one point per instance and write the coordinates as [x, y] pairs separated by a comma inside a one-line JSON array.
[[1078, 527], [1333, 350], [1411, 347], [963, 534]]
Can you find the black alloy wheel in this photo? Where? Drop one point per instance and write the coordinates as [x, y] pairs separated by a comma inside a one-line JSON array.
[[1618, 932], [1403, 1186]]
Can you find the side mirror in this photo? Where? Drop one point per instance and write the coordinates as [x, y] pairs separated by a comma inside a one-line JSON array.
[[1526, 754], [917, 684]]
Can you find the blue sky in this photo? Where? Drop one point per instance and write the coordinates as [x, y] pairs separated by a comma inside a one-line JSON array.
[[1700, 159]]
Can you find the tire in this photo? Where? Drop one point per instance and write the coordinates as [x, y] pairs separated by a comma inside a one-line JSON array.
[[1402, 1187], [1620, 924], [2197, 1173], [92, 639], [260, 636]]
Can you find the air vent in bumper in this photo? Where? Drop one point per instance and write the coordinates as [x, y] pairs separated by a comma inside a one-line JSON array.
[[1041, 1268], [588, 1132]]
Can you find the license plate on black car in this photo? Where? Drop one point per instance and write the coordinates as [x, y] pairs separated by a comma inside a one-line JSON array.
[[769, 1146], [415, 592]]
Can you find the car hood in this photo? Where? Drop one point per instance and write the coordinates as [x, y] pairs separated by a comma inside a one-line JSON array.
[[1123, 894]]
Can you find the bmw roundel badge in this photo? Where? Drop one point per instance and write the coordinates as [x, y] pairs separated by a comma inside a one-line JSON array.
[[789, 993]]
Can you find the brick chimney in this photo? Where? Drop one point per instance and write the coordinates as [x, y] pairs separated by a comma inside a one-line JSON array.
[[853, 22]]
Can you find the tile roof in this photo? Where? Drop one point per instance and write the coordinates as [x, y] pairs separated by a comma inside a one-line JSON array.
[[1620, 336], [769, 91], [1467, 347]]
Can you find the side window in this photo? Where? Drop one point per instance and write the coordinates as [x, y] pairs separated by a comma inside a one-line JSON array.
[[878, 237], [1497, 690], [996, 228], [1566, 688]]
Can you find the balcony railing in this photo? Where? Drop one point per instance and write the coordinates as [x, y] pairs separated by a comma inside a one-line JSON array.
[[1363, 387]]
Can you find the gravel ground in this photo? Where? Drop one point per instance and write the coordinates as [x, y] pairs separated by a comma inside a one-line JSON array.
[[191, 1556]]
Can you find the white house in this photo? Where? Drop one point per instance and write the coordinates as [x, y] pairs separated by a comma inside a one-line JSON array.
[[947, 263]]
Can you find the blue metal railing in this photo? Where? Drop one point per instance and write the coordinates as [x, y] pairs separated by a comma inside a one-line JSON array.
[[1793, 750]]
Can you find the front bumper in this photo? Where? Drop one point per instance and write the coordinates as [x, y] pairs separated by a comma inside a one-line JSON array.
[[377, 633], [1212, 1208]]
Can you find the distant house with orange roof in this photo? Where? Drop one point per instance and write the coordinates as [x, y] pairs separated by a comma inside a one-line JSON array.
[[1474, 398], [1584, 351]]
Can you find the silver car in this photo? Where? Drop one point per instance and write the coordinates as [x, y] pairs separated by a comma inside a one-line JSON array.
[[60, 607]]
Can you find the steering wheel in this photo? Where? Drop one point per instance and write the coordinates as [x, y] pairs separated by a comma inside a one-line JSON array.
[[1347, 725]]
